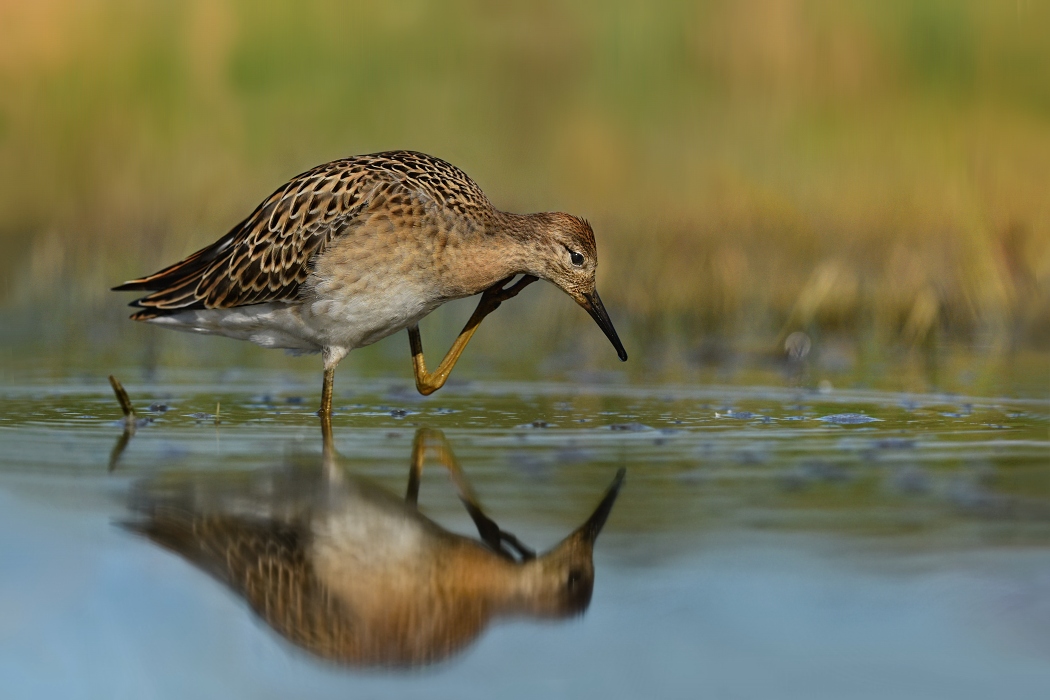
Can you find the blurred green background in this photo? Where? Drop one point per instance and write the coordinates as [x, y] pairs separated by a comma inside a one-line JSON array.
[[874, 174]]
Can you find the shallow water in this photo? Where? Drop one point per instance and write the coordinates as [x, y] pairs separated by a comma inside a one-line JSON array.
[[767, 542]]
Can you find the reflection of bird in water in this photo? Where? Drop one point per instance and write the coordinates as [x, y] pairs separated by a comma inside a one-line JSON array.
[[357, 575], [347, 253]]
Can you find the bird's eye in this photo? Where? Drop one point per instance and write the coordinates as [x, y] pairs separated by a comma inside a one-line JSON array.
[[574, 578], [576, 258]]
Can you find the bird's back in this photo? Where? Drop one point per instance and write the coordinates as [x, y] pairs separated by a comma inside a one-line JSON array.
[[268, 257]]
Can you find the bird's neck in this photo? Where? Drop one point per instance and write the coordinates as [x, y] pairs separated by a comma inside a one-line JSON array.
[[526, 228], [505, 247], [497, 583]]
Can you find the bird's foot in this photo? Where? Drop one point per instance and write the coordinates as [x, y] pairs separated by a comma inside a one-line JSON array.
[[499, 292]]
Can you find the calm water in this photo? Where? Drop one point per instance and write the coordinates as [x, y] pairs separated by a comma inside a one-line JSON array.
[[766, 543]]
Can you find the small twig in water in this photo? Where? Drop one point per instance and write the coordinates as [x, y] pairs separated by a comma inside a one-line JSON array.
[[130, 422], [122, 398]]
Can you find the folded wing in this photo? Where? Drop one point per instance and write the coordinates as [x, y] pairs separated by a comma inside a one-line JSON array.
[[266, 257]]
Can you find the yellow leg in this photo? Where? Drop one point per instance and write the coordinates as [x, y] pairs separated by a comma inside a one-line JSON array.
[[438, 444], [326, 394], [328, 456], [427, 383]]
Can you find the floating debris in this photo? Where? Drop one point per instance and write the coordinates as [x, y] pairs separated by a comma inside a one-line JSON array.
[[629, 427], [739, 415], [158, 407], [398, 413], [893, 444], [848, 418], [201, 415], [534, 425]]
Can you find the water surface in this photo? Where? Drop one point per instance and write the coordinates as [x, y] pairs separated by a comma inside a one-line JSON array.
[[768, 542]]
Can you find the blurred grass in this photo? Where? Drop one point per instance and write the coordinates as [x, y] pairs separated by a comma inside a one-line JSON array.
[[874, 170]]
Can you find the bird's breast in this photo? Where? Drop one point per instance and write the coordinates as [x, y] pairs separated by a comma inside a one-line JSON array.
[[370, 552], [356, 302]]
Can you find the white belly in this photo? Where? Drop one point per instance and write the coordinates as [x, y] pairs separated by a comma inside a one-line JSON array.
[[349, 317], [341, 318], [274, 325]]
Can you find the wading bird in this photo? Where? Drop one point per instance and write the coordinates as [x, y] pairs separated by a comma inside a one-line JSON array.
[[355, 574], [357, 249]]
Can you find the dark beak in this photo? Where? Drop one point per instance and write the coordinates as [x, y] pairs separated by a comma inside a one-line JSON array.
[[590, 529], [593, 303]]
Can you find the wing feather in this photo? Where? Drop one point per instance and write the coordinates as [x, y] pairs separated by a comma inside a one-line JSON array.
[[267, 257]]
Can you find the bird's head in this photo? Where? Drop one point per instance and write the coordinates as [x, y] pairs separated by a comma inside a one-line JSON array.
[[559, 583], [568, 258]]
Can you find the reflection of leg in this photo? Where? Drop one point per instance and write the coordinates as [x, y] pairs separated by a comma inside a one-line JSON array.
[[331, 357], [427, 382], [327, 446], [415, 469], [489, 531]]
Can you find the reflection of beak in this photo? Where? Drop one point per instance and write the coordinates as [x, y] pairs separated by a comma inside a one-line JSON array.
[[593, 303], [588, 532]]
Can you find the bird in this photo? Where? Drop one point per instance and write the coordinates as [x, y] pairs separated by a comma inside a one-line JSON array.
[[354, 250], [352, 573]]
